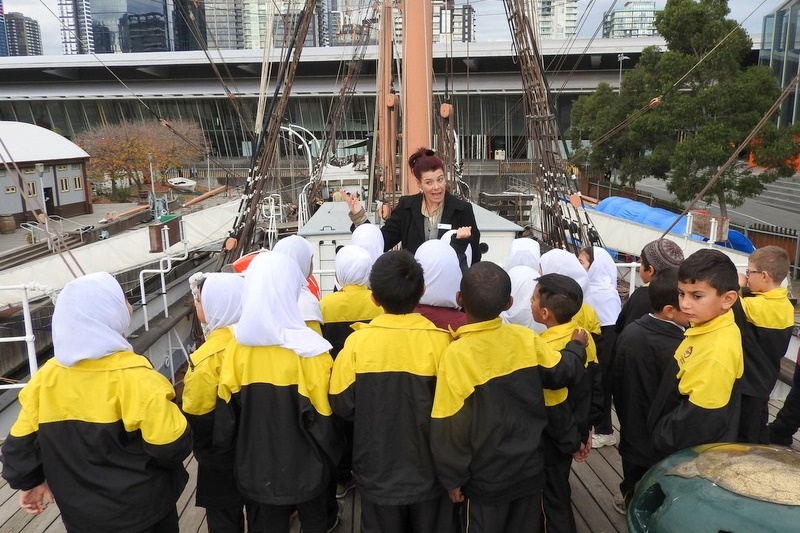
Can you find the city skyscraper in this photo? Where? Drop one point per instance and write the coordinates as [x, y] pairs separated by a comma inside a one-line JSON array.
[[3, 38], [555, 19], [77, 36], [453, 24], [23, 35], [635, 19]]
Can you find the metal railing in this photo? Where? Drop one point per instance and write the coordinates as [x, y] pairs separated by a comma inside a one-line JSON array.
[[28, 338], [164, 266], [76, 228]]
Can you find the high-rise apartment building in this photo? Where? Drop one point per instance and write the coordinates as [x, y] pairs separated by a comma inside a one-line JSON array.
[[453, 24], [23, 35], [114, 26], [349, 23], [635, 19], [3, 39], [225, 24], [76, 27], [555, 19]]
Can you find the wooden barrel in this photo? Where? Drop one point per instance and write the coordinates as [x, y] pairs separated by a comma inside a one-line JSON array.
[[7, 224]]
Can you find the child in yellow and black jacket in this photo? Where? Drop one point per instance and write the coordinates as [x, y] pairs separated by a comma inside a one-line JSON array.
[[97, 427], [383, 380], [699, 401], [218, 301], [489, 411], [766, 319], [556, 301], [340, 310], [273, 408]]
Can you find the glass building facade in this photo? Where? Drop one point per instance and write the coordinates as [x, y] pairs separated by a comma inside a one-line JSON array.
[[485, 122], [780, 50]]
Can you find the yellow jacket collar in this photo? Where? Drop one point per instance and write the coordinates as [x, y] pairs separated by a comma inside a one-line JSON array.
[[714, 324]]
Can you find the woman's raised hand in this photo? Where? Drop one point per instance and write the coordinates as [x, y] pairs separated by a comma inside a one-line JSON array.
[[352, 201]]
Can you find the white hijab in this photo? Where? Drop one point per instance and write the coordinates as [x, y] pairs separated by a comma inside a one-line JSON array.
[[441, 271], [524, 251], [302, 252], [221, 298], [270, 314], [90, 319], [468, 252], [523, 283], [352, 264], [563, 262], [370, 238], [602, 294]]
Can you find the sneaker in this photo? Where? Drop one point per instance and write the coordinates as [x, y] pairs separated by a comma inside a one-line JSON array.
[[342, 490], [619, 504], [599, 440]]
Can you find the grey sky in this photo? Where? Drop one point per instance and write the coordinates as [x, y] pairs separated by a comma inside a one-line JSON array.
[[491, 20]]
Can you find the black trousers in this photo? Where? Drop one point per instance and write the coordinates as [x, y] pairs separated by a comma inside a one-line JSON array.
[[601, 417], [432, 516], [631, 474], [230, 519], [168, 524], [557, 515], [786, 422], [275, 518], [523, 515], [753, 420]]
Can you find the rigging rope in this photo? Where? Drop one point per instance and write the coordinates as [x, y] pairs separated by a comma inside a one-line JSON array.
[[789, 88]]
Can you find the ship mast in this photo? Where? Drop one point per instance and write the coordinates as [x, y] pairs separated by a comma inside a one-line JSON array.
[[417, 83]]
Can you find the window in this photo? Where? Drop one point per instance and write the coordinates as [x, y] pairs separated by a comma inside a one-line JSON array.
[[2, 172], [31, 189], [62, 167], [11, 190], [76, 166], [63, 184], [29, 170], [78, 183]]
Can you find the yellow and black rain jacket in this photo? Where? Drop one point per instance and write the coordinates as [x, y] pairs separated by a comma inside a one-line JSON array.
[[341, 309], [699, 399], [766, 320], [215, 484], [489, 413], [273, 411], [383, 381], [106, 437], [568, 408]]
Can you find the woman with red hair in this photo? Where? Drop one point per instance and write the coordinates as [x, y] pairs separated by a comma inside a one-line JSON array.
[[428, 214]]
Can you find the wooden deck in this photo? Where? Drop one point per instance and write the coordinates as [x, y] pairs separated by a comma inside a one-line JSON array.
[[594, 484]]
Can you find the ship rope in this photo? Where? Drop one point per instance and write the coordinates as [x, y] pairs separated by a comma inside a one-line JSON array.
[[560, 228], [750, 136], [611, 133], [262, 169], [339, 107]]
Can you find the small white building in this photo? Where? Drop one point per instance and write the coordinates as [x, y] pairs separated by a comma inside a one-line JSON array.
[[39, 167]]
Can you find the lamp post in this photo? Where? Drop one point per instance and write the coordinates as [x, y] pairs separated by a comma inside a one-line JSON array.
[[208, 167], [621, 58], [153, 187], [40, 170]]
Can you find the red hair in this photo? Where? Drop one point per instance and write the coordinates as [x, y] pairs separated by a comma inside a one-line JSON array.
[[424, 160]]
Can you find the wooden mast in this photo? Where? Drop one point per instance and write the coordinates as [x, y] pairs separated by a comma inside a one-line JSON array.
[[417, 83]]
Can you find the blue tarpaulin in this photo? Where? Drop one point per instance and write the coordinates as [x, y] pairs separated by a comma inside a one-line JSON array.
[[656, 217]]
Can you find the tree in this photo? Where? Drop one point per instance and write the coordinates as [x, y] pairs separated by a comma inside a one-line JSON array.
[[710, 104], [122, 149]]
